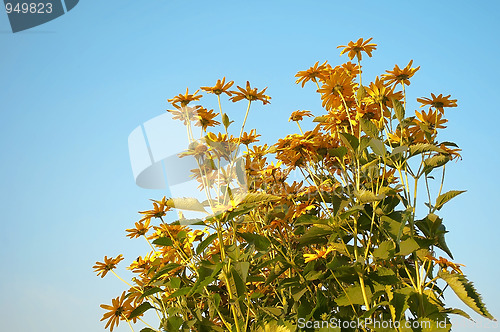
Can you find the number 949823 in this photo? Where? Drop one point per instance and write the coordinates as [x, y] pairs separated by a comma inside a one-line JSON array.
[[32, 8]]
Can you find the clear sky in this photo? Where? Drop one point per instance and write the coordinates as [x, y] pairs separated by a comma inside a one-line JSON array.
[[72, 90]]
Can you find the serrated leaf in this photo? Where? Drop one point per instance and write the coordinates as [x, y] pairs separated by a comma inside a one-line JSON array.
[[423, 147], [186, 203], [435, 161], [140, 310], [367, 196], [443, 198], [466, 292]]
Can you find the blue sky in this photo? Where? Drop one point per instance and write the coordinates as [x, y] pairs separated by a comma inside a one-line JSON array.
[[72, 90]]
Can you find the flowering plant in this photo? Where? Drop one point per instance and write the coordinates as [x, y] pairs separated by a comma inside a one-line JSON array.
[[343, 241]]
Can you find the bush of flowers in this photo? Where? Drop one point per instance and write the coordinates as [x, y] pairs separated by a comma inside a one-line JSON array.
[[320, 226]]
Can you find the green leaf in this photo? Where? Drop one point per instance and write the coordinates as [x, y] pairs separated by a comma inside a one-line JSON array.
[[441, 241], [259, 198], [147, 329], [189, 222], [242, 269], [140, 310], [163, 241], [151, 291], [174, 323], [459, 312], [435, 161], [260, 242], [385, 250], [466, 292], [354, 295], [298, 292], [339, 152], [180, 292], [361, 93], [392, 227], [238, 282], [377, 146], [423, 147], [175, 282], [367, 196], [205, 243], [316, 234], [399, 301], [185, 203], [225, 120], [399, 110], [272, 311], [169, 267], [443, 198], [369, 127], [350, 141], [398, 150], [407, 246]]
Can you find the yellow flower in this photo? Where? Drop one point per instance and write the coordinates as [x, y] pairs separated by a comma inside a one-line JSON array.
[[196, 235], [445, 264], [380, 93], [219, 87], [108, 265], [250, 94], [140, 265], [139, 230], [205, 118], [299, 115], [312, 73], [438, 102], [336, 89], [319, 254], [184, 113], [354, 49], [120, 309], [184, 99], [432, 119], [398, 75], [249, 138], [159, 210]]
